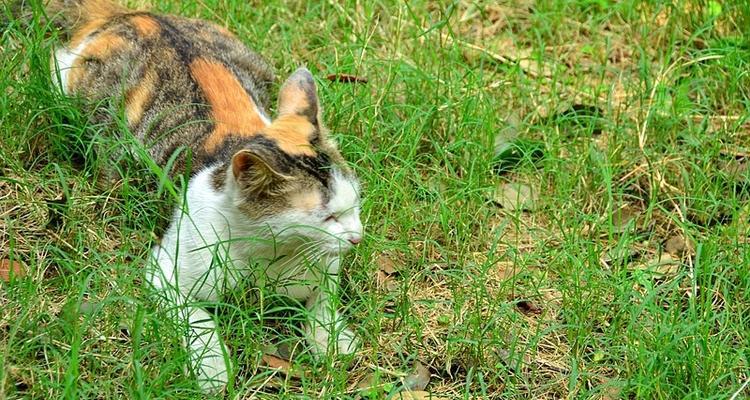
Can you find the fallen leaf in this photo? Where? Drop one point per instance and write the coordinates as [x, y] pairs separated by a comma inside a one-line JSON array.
[[611, 390], [11, 267], [346, 78], [385, 282], [619, 254], [622, 217], [367, 381], [419, 379], [280, 365], [417, 395], [372, 386], [528, 307], [386, 264], [87, 307], [677, 245], [515, 196], [662, 266]]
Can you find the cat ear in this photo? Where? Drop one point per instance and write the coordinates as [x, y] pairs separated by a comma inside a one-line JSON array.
[[299, 96], [254, 170]]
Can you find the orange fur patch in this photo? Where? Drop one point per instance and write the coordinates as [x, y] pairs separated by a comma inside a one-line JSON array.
[[75, 74], [232, 108], [292, 99], [292, 134], [92, 14], [137, 97], [145, 25], [85, 31], [103, 45]]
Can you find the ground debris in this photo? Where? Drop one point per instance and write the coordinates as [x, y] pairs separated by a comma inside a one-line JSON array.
[[516, 196], [15, 268], [346, 78], [417, 380], [663, 265]]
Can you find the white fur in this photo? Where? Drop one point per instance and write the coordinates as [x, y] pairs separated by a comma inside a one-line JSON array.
[[64, 60], [210, 246]]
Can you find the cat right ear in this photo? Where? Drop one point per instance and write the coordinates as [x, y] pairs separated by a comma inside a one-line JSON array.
[[299, 96], [255, 171]]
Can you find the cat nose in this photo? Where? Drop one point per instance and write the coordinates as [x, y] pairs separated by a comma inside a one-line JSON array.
[[355, 240]]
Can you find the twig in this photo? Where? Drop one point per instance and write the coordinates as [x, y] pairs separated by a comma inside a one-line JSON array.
[[737, 393]]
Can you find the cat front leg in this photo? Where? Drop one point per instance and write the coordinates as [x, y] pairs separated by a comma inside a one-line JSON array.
[[209, 357], [326, 329]]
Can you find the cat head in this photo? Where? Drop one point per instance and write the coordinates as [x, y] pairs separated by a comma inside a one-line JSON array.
[[291, 177]]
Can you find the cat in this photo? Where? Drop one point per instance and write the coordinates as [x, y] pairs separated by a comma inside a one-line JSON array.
[[269, 200]]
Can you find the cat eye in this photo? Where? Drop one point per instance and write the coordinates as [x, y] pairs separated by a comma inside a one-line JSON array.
[[331, 218]]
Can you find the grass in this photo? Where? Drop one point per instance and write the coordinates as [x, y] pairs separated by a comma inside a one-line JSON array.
[[567, 300]]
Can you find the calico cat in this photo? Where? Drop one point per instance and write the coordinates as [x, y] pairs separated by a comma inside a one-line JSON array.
[[266, 200]]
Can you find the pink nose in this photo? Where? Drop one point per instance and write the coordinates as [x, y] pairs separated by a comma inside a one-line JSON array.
[[355, 240]]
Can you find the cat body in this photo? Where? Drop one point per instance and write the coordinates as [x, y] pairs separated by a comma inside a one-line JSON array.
[[270, 201]]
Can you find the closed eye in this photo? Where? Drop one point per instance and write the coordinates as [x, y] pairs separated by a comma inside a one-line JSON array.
[[331, 218]]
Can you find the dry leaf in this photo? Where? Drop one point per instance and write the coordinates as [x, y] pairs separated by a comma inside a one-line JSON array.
[[620, 254], [386, 264], [385, 282], [417, 395], [419, 379], [372, 385], [622, 217], [528, 307], [515, 196], [14, 267], [677, 245], [367, 381], [346, 78], [280, 365], [611, 390], [663, 265], [506, 270]]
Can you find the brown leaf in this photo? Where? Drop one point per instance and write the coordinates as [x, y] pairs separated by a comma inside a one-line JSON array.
[[506, 270], [280, 365], [385, 282], [367, 381], [11, 267], [417, 395], [419, 379], [386, 264], [528, 307], [622, 217], [371, 384], [677, 245], [662, 265], [346, 78]]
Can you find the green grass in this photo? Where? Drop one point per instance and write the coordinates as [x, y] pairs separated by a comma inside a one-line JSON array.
[[672, 83]]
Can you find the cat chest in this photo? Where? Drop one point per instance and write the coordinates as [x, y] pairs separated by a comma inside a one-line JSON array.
[[292, 276]]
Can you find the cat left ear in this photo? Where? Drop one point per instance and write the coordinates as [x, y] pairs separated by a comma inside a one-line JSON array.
[[299, 96], [255, 170]]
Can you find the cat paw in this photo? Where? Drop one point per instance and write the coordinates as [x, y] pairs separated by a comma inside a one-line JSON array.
[[212, 374], [346, 341]]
